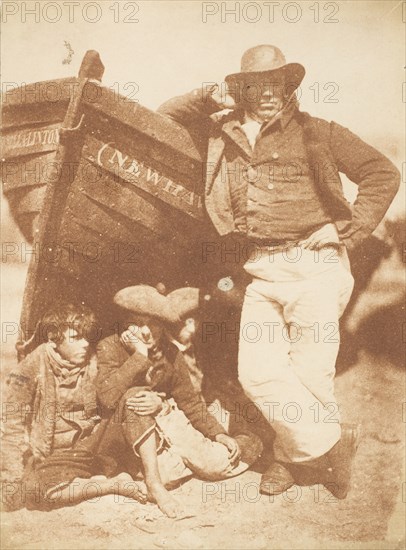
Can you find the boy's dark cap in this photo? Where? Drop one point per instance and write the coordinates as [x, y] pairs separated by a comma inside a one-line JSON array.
[[146, 300]]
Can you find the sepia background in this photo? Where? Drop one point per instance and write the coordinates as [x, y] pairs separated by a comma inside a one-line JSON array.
[[158, 49]]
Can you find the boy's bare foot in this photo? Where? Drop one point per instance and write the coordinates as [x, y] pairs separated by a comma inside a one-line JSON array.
[[125, 486], [165, 501]]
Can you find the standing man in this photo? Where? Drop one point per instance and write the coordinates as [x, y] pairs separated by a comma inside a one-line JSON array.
[[273, 181]]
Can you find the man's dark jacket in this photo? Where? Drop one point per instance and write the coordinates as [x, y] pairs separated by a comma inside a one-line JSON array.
[[330, 147]]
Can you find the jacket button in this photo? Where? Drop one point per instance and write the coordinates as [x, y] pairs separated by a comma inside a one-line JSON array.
[[252, 174], [270, 186], [275, 156]]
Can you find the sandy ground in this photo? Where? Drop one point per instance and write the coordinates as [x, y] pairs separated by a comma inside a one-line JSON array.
[[232, 514]]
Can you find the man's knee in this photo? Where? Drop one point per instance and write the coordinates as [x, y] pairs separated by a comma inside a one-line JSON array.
[[254, 382]]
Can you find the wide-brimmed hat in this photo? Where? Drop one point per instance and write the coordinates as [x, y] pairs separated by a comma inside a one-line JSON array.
[[267, 61], [146, 300]]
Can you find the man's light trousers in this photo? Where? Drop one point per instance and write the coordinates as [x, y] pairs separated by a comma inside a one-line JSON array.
[[289, 340]]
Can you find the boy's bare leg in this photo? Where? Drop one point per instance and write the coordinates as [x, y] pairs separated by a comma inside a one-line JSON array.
[[81, 489], [156, 489]]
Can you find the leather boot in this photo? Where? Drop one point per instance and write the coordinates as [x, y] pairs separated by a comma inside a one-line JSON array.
[[340, 458], [276, 480], [251, 447]]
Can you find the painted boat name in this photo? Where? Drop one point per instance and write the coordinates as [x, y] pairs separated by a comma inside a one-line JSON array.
[[133, 170], [32, 137]]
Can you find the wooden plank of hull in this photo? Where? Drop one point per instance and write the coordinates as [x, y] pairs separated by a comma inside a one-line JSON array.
[[28, 153], [30, 201], [147, 135], [127, 235], [24, 184], [174, 164], [38, 103], [102, 252], [25, 207], [42, 278], [27, 172], [175, 171], [141, 177], [136, 117], [118, 212], [135, 259], [30, 141]]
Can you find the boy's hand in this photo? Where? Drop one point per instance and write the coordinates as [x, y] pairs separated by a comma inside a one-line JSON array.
[[146, 403], [232, 446], [137, 338]]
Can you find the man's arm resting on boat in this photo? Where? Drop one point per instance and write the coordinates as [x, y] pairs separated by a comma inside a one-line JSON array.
[[192, 107]]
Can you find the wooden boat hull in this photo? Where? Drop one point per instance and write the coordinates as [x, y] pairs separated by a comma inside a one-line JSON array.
[[109, 193]]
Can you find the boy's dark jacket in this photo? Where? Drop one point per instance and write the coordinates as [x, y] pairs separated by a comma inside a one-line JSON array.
[[30, 411], [119, 371]]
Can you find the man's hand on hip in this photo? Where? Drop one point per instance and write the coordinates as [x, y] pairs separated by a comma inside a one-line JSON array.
[[325, 236]]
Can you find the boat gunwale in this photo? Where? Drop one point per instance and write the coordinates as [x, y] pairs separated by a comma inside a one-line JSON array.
[[130, 116]]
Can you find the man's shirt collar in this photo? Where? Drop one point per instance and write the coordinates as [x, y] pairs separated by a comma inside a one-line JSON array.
[[282, 118], [233, 127]]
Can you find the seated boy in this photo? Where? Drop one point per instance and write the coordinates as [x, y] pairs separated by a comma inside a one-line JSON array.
[[51, 427], [144, 377]]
